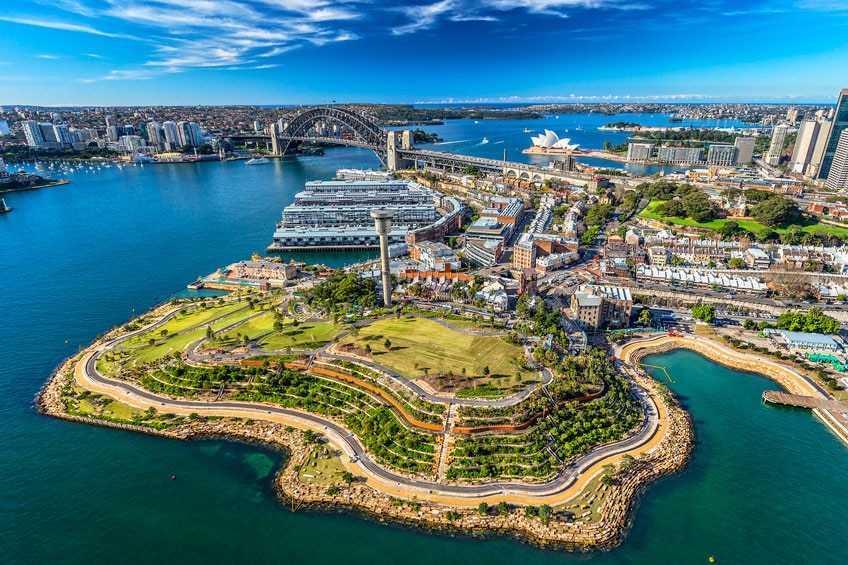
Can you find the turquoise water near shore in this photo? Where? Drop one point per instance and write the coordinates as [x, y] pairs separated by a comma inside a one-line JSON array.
[[764, 484]]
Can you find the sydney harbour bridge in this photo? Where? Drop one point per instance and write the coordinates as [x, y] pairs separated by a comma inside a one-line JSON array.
[[394, 148]]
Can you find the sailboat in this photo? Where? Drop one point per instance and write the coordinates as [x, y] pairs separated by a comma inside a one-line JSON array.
[[3, 207]]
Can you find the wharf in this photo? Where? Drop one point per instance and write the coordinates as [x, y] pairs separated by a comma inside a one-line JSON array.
[[331, 247], [800, 401]]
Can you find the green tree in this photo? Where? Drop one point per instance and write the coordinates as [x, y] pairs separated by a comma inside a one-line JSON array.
[[503, 508], [705, 313], [545, 514], [387, 344], [776, 211], [793, 235], [486, 370], [736, 263], [646, 317], [483, 509], [749, 324]]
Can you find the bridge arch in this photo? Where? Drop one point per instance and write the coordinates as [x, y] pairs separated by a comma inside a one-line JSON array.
[[369, 134]]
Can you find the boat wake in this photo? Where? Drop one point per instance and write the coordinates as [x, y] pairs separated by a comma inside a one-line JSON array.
[[484, 142], [495, 143], [451, 142]]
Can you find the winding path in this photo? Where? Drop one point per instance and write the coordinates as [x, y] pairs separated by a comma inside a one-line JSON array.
[[568, 483]]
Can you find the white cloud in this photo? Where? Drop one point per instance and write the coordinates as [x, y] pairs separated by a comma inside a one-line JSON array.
[[61, 26], [51, 57], [424, 17]]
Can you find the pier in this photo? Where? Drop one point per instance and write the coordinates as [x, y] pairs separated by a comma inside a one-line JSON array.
[[799, 401]]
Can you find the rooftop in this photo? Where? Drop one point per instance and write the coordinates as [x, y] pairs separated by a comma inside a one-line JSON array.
[[804, 337]]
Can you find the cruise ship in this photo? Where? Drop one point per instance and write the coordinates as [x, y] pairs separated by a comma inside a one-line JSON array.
[[336, 214]]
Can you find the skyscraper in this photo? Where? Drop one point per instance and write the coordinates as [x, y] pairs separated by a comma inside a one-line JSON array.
[[804, 145], [837, 179], [778, 138], [840, 122]]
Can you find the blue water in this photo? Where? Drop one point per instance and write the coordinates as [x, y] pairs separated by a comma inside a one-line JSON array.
[[763, 486], [466, 137]]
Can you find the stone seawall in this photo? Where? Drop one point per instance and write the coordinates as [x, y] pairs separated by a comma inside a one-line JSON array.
[[617, 500]]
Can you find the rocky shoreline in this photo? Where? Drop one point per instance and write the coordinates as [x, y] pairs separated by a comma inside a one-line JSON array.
[[565, 530]]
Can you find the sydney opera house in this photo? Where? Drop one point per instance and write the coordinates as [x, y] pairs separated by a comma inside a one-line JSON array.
[[549, 142]]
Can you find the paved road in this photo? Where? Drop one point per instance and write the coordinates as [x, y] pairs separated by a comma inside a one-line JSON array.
[[567, 478]]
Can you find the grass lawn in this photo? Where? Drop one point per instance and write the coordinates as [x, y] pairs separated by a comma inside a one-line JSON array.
[[301, 336], [190, 319], [417, 343], [594, 491], [258, 326], [750, 225], [322, 470], [179, 342]]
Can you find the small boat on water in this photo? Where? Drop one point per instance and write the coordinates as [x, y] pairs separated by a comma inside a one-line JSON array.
[[528, 130], [257, 160], [485, 140], [3, 207]]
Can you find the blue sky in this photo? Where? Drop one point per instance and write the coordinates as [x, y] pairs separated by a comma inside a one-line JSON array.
[[136, 52]]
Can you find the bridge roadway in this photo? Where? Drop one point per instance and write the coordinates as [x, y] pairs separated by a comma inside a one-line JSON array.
[[561, 488]]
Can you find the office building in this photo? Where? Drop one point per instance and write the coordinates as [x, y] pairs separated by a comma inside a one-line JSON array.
[[744, 149], [778, 138], [4, 127], [838, 177], [805, 142], [840, 123], [819, 148]]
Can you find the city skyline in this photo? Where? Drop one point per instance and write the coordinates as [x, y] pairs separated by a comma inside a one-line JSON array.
[[312, 51]]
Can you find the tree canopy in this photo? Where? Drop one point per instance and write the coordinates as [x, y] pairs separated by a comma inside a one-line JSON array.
[[705, 313], [776, 211], [814, 321]]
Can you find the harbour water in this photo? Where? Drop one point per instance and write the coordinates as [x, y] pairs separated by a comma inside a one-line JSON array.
[[764, 484]]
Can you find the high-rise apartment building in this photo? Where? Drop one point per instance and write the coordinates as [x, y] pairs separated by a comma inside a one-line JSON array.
[[47, 132], [837, 179], [111, 121], [156, 135], [840, 123], [778, 138], [32, 133], [721, 154], [640, 151], [64, 135], [172, 138], [189, 134]]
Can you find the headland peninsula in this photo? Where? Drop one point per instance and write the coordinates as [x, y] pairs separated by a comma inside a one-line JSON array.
[[442, 421]]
